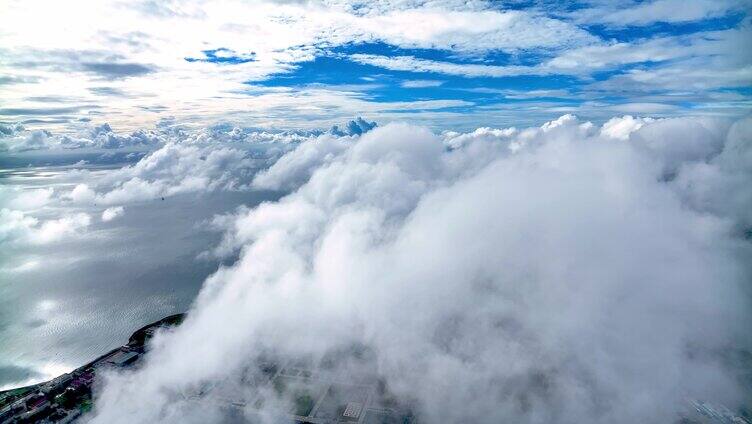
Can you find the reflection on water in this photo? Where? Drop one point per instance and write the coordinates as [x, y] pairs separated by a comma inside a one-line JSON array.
[[19, 376], [66, 303]]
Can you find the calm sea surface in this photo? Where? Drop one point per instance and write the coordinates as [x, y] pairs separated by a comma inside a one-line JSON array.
[[65, 303]]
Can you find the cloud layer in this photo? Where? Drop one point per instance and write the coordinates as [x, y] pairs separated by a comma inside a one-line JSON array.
[[202, 61], [15, 139], [567, 272], [16, 227]]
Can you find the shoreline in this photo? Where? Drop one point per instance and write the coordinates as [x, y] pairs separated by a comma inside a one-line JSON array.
[[67, 396]]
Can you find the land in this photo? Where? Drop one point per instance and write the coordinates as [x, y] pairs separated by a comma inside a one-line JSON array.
[[324, 394], [66, 398]]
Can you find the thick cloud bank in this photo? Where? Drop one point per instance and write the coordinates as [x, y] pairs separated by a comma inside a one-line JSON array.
[[566, 273], [171, 170], [218, 158]]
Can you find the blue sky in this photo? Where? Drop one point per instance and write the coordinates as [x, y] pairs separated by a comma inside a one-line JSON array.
[[447, 64]]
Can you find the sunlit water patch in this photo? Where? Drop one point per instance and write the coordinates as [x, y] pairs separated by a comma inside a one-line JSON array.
[[65, 303]]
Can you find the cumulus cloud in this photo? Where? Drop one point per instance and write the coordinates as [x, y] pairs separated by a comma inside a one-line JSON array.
[[82, 193], [55, 229], [101, 136], [534, 275], [621, 127], [7, 130], [17, 139], [297, 166], [17, 227], [216, 158], [720, 186], [111, 213], [31, 140], [25, 199], [454, 139], [700, 138], [228, 133], [174, 169], [357, 126]]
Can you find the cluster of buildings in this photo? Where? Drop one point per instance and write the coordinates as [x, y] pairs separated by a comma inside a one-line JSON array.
[[323, 395], [706, 412], [311, 395], [65, 398]]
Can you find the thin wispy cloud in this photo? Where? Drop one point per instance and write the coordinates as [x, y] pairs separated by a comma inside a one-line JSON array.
[[199, 58]]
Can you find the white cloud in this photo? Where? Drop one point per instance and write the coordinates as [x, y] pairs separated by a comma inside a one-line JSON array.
[[413, 64], [471, 31], [221, 157], [17, 227], [296, 167], [421, 83], [700, 138], [531, 94], [8, 130], [26, 140], [646, 108], [55, 229], [686, 52], [101, 136], [501, 136], [22, 267], [720, 185], [82, 193], [111, 213], [135, 73], [173, 169], [621, 127], [25, 199], [644, 13], [531, 275], [14, 224], [118, 56]]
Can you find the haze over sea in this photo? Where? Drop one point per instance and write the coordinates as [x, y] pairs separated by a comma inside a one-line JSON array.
[[61, 307]]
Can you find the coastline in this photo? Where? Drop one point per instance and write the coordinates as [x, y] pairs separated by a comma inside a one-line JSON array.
[[66, 397]]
